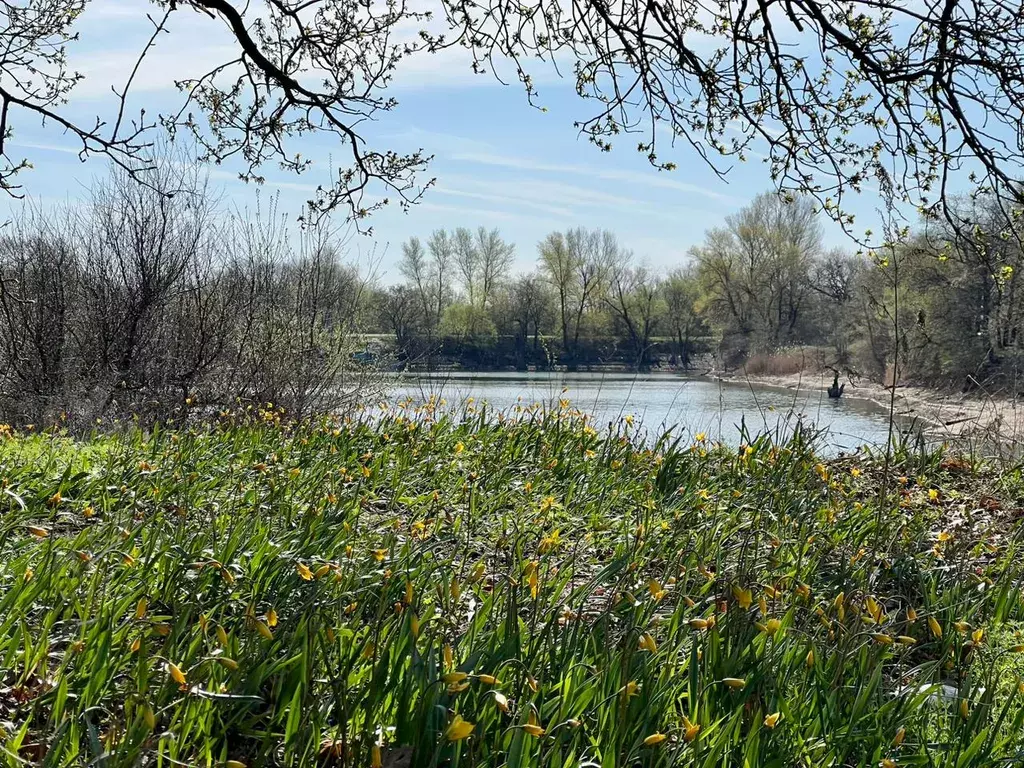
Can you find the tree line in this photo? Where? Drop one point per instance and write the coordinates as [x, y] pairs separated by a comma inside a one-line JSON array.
[[935, 305]]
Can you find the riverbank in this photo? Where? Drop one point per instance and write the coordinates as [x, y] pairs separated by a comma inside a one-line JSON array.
[[946, 415]]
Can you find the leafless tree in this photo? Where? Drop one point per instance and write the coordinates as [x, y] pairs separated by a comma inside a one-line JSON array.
[[917, 98]]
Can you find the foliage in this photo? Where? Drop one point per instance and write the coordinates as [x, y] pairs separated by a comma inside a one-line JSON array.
[[411, 587]]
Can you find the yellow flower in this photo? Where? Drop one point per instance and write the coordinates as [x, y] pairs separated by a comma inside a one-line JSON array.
[[459, 448], [911, 615], [375, 758], [770, 627], [906, 639], [654, 739], [700, 437], [855, 472], [454, 677], [964, 712], [743, 597], [175, 672], [534, 730], [458, 729], [772, 720], [809, 660], [35, 530], [632, 688], [647, 643], [978, 635], [881, 638], [271, 617], [488, 679], [934, 626], [414, 625], [379, 554], [303, 570], [447, 656], [887, 763], [736, 683], [962, 626], [933, 494], [264, 630], [699, 623], [901, 734], [322, 571], [692, 729], [141, 607]]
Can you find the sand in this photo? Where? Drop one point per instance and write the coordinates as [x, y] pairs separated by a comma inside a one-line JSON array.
[[952, 416]]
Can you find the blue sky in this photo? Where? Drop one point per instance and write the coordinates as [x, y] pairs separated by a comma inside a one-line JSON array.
[[498, 162]]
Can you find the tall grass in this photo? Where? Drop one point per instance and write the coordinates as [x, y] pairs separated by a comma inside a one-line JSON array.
[[416, 589]]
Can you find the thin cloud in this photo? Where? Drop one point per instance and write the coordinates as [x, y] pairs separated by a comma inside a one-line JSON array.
[[653, 179]]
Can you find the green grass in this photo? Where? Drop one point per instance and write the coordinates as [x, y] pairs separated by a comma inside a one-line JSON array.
[[356, 593]]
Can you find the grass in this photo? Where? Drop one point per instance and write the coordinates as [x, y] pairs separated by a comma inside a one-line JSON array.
[[418, 590]]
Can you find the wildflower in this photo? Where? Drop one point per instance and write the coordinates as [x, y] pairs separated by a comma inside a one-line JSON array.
[[222, 636], [632, 688], [227, 663], [455, 688], [743, 597], [964, 712], [500, 701], [962, 626], [458, 729], [140, 608], [770, 627], [809, 660], [881, 638], [901, 734], [532, 682], [303, 570], [656, 589], [136, 644], [934, 626], [699, 623], [654, 739], [692, 729], [978, 635], [39, 533], [488, 679], [906, 639], [375, 758], [379, 554], [855, 472], [447, 656], [532, 579], [888, 763], [454, 677], [772, 720], [414, 625], [264, 630], [911, 615], [736, 683], [175, 672], [459, 448], [647, 643], [271, 617], [533, 726], [700, 437]]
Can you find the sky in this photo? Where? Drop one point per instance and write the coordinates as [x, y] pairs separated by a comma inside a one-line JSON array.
[[498, 162]]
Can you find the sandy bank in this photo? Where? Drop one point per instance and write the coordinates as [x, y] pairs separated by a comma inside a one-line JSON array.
[[946, 415]]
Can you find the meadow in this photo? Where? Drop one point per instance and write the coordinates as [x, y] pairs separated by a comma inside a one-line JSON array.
[[413, 589]]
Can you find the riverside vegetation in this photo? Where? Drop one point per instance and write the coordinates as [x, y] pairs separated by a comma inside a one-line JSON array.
[[413, 587]]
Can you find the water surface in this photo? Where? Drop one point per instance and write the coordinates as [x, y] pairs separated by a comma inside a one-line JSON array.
[[663, 401]]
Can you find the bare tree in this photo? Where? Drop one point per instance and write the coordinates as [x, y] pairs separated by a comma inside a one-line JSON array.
[[914, 97], [634, 299]]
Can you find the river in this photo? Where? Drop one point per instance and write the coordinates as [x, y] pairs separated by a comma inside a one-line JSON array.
[[664, 401]]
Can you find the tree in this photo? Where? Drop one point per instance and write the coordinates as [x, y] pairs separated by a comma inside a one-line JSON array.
[[634, 298], [911, 96], [754, 272], [681, 291]]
